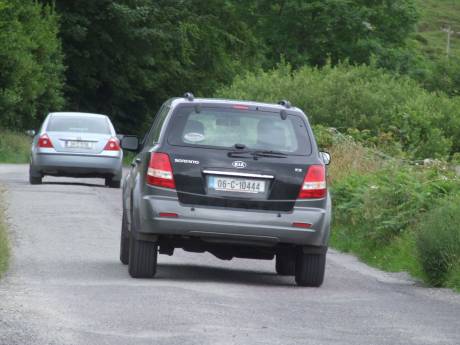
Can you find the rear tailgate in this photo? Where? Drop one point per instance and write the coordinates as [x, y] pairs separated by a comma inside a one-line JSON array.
[[212, 151], [209, 177]]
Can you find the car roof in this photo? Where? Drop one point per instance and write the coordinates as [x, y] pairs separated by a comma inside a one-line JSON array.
[[223, 101], [70, 113]]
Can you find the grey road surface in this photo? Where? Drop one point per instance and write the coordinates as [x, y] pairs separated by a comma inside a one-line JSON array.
[[66, 286]]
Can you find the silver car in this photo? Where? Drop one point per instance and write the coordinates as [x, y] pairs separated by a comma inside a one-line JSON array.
[[76, 145]]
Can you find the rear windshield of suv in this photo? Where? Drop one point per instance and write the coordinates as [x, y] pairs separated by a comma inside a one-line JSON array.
[[223, 127], [78, 124]]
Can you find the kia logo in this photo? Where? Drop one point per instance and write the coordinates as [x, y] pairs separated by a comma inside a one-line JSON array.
[[239, 164]]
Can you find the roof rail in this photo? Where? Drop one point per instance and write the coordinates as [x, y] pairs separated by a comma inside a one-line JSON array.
[[285, 103], [189, 96]]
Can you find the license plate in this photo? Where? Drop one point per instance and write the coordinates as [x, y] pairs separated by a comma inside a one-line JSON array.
[[239, 185], [72, 144]]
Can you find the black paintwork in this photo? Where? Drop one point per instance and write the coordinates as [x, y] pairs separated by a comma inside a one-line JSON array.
[[288, 171]]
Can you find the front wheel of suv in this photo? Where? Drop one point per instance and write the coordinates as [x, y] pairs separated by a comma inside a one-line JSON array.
[[285, 265], [309, 269], [142, 258]]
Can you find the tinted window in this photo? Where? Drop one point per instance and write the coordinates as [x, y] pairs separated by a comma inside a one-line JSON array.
[[225, 127], [79, 124], [158, 124]]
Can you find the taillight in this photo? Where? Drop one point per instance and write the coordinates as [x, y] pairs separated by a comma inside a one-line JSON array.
[[301, 225], [112, 145], [240, 107], [314, 184], [160, 172], [168, 215], [45, 141]]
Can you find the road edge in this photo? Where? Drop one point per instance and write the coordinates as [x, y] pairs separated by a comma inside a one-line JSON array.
[[4, 241]]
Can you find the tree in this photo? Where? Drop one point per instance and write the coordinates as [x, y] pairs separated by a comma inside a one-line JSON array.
[[31, 69], [125, 57], [313, 32]]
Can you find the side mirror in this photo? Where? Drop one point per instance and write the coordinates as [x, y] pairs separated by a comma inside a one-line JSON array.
[[326, 157], [130, 143], [31, 132]]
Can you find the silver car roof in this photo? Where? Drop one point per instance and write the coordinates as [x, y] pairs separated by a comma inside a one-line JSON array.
[[69, 113]]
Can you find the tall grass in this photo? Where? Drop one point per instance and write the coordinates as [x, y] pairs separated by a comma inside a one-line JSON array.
[[438, 243], [396, 216], [14, 147]]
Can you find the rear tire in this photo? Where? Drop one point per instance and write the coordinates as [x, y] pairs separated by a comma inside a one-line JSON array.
[[124, 241], [35, 179], [109, 182], [309, 269], [142, 258], [285, 265]]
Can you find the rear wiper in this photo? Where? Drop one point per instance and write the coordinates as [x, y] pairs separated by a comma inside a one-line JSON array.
[[269, 153], [256, 153]]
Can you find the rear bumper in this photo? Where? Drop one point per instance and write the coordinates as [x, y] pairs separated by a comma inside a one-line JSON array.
[[76, 165], [216, 224]]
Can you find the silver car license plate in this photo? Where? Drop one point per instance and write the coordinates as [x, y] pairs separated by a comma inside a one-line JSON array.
[[74, 144], [233, 184]]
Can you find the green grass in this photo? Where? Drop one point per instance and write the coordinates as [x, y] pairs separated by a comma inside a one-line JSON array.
[[128, 158], [453, 281], [398, 256], [435, 15], [4, 249], [394, 216], [14, 147]]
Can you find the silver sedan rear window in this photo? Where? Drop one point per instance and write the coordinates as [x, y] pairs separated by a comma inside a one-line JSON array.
[[78, 124]]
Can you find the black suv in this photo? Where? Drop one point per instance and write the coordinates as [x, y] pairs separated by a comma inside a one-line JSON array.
[[234, 178]]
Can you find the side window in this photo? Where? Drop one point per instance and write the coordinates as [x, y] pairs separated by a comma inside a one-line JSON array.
[[153, 134], [155, 131]]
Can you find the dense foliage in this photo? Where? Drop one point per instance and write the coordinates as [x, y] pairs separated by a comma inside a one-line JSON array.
[[374, 105], [396, 216], [314, 32], [125, 57], [30, 63]]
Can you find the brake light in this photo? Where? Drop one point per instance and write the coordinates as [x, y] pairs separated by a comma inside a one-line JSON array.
[[159, 172], [45, 141], [240, 107], [314, 184], [301, 225], [112, 145], [168, 215]]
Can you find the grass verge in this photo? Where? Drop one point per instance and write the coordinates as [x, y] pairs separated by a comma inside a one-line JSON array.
[[395, 216], [14, 147], [4, 247]]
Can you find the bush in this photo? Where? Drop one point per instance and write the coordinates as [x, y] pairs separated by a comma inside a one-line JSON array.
[[14, 147], [380, 206], [394, 112], [438, 243]]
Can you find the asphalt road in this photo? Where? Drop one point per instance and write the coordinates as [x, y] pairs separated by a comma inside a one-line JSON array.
[[66, 286]]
